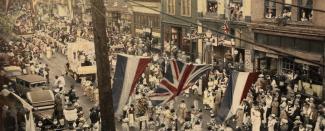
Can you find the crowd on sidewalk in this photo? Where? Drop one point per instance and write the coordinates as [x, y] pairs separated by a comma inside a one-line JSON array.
[[274, 102]]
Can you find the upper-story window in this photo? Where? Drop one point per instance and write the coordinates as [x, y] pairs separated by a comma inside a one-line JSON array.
[[212, 6], [186, 7], [236, 10], [270, 10], [286, 12], [171, 7], [306, 12]]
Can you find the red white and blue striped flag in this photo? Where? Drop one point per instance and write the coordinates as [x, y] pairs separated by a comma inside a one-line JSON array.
[[179, 76], [128, 71], [238, 87]]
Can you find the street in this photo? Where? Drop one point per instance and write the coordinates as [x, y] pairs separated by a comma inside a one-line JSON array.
[[57, 67]]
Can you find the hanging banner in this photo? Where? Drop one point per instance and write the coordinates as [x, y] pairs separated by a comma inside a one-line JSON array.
[[248, 61]]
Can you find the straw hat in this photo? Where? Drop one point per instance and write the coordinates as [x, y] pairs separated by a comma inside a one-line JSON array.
[[260, 75]]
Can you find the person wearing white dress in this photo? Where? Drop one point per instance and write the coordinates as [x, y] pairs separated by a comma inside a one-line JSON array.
[[125, 124], [271, 123], [131, 116], [256, 119], [48, 52]]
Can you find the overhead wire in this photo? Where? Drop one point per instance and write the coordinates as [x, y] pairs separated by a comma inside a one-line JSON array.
[[299, 6], [219, 32], [228, 35]]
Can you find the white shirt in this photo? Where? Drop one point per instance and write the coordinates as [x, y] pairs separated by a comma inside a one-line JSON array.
[[61, 82]]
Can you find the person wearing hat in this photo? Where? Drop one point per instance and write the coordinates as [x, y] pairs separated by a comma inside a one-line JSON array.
[[181, 113], [256, 118], [240, 117], [162, 127], [309, 127], [131, 115], [284, 125], [275, 107], [197, 126], [313, 114], [58, 108], [125, 124], [305, 112], [151, 124], [271, 122], [320, 123], [297, 122], [268, 103]]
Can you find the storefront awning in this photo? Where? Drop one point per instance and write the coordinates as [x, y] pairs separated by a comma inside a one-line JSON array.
[[304, 62], [272, 55]]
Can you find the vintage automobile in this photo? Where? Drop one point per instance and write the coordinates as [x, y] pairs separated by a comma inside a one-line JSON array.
[[8, 74], [11, 72], [34, 89], [43, 104], [81, 60], [26, 83]]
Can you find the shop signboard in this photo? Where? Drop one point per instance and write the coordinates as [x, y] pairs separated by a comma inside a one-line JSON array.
[[248, 60]]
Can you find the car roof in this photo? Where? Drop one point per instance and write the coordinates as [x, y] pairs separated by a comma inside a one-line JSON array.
[[11, 68], [40, 95], [31, 78]]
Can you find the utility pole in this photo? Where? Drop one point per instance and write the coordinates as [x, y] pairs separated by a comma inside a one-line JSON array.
[[103, 66]]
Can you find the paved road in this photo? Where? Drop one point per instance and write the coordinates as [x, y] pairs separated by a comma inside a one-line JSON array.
[[57, 67]]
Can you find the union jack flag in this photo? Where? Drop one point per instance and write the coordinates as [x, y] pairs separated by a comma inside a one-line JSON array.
[[179, 76], [226, 28]]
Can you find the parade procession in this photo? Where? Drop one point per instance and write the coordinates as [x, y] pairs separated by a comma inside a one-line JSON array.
[[162, 65]]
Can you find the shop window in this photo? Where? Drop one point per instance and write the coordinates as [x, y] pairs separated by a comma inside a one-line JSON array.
[[287, 65], [305, 12], [270, 10], [212, 6]]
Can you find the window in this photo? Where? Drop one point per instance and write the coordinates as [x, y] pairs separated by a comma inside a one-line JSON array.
[[212, 6], [171, 7], [261, 38], [287, 9], [302, 45], [274, 40], [186, 7], [316, 47], [287, 42], [270, 10], [287, 65], [305, 12], [236, 8]]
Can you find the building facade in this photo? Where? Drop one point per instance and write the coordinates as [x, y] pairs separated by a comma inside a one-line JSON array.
[[146, 19], [118, 15], [274, 37], [178, 17]]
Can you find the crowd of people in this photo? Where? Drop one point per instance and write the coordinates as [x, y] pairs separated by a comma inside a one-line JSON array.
[[274, 102]]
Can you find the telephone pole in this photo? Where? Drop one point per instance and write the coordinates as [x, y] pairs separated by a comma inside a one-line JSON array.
[[103, 67]]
